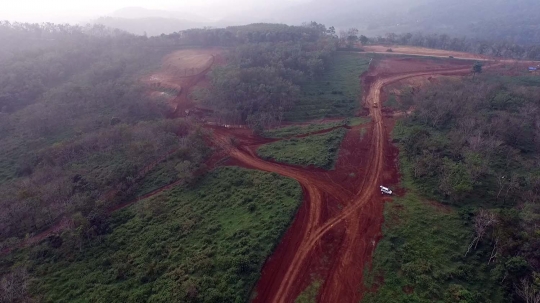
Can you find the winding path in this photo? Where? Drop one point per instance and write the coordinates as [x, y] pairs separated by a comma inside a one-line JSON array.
[[356, 225]]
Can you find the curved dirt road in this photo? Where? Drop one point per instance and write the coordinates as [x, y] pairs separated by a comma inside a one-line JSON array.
[[355, 224]]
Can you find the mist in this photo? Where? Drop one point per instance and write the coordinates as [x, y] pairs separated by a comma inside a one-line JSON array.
[[80, 11], [499, 19]]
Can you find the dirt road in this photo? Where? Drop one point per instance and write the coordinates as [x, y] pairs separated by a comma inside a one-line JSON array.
[[339, 223], [338, 226]]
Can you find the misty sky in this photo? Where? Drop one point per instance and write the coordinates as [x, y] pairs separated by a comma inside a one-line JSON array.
[[83, 10]]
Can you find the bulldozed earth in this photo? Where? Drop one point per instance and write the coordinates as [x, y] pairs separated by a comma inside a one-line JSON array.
[[338, 225]]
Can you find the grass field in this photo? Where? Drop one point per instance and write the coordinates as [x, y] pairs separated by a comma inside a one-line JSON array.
[[335, 94], [317, 150], [201, 244]]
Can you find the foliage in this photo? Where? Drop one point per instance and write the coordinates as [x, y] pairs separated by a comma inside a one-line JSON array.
[[298, 130], [335, 93], [317, 150], [251, 33], [77, 130], [477, 68], [474, 145], [260, 83], [309, 295], [205, 243]]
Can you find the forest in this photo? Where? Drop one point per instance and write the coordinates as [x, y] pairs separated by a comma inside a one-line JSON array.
[[474, 145]]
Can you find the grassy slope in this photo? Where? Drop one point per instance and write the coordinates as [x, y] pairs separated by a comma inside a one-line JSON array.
[[335, 94], [205, 244], [297, 130], [318, 150], [421, 255]]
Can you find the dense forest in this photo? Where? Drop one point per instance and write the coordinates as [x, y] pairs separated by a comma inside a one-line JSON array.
[[474, 145], [77, 131], [261, 79]]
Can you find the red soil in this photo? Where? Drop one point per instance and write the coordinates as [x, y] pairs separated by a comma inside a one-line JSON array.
[[339, 222]]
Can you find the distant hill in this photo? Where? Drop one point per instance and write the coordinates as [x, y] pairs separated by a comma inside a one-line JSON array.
[[143, 13], [152, 26], [517, 20], [138, 20]]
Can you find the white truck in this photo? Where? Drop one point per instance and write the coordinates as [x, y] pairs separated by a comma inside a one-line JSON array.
[[386, 190]]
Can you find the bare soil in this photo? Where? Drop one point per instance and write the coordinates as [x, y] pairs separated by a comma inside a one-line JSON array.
[[420, 51], [338, 225]]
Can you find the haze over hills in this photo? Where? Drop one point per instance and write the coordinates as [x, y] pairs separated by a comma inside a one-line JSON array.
[[517, 20], [500, 19]]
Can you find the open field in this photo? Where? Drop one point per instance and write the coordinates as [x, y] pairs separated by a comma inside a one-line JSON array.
[[180, 72], [335, 94]]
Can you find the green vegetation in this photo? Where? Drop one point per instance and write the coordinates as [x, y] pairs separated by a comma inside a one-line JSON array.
[[421, 256], [335, 93], [317, 150], [473, 146], [300, 130], [309, 295], [201, 244], [80, 135], [77, 129], [358, 121], [261, 81], [392, 102]]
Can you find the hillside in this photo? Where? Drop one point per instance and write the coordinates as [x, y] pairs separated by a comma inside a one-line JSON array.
[[517, 21], [151, 26], [247, 164]]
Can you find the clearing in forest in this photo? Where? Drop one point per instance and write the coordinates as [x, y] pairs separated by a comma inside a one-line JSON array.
[[334, 94]]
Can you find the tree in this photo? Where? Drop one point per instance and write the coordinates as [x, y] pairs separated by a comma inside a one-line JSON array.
[[483, 220], [528, 292], [352, 37], [364, 40], [477, 68], [331, 31]]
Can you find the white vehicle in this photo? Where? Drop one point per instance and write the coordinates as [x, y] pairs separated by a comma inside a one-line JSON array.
[[386, 190]]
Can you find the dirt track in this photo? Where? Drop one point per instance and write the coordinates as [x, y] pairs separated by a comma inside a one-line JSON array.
[[338, 226]]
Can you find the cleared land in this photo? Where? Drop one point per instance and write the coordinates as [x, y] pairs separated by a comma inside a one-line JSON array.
[[179, 73], [338, 225], [420, 51], [335, 94]]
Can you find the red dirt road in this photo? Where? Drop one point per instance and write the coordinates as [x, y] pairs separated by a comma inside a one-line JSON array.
[[339, 224]]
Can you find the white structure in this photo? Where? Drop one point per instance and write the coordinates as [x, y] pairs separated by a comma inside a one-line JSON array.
[[386, 190]]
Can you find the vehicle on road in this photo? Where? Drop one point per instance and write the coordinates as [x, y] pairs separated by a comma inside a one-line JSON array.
[[386, 190]]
